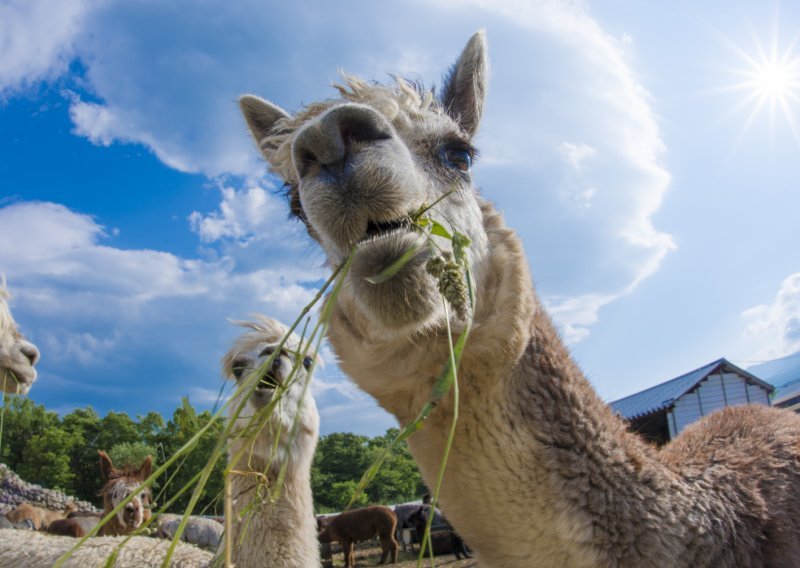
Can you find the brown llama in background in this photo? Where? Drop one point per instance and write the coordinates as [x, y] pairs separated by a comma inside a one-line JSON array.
[[362, 524]]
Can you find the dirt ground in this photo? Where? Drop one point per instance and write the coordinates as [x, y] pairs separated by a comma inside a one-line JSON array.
[[368, 554]]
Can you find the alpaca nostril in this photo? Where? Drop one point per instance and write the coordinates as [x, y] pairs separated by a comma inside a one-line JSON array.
[[30, 352], [330, 141]]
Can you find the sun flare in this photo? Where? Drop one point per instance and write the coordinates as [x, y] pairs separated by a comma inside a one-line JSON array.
[[776, 80], [770, 82]]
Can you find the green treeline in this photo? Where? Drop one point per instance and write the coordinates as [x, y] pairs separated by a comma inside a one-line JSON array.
[[61, 453]]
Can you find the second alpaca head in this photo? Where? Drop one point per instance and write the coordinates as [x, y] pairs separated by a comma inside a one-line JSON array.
[[122, 484], [277, 417]]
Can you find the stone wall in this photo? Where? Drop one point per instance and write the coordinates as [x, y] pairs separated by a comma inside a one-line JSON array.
[[14, 491]]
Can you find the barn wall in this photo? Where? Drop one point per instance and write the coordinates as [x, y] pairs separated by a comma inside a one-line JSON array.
[[714, 393], [687, 410]]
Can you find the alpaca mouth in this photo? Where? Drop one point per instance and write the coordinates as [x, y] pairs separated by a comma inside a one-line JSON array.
[[378, 229], [267, 383], [17, 381]]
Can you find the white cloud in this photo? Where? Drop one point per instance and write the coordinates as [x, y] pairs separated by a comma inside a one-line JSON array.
[[576, 154], [773, 330], [242, 213], [584, 207], [101, 313], [168, 78], [37, 39], [576, 188], [81, 348], [574, 316]]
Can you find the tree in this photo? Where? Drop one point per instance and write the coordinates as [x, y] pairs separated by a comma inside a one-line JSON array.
[[398, 479], [340, 460], [131, 454], [116, 428], [185, 423], [46, 459], [22, 419], [83, 426], [150, 427]]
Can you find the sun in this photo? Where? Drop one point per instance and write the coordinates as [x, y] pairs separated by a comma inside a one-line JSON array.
[[776, 81], [770, 82]]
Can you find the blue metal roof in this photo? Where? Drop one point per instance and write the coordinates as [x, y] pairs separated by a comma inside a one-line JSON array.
[[664, 395]]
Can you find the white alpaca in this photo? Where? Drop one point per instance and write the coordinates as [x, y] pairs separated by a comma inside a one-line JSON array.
[[281, 532], [31, 549], [17, 355], [541, 472]]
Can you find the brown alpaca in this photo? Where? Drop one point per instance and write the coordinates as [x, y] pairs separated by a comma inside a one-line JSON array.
[[541, 471], [67, 527], [362, 524], [39, 517], [119, 485]]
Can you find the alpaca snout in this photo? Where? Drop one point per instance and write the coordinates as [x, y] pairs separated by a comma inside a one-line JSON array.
[[328, 143], [30, 351], [133, 514]]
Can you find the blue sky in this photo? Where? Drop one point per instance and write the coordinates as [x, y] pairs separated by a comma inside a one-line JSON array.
[[657, 199]]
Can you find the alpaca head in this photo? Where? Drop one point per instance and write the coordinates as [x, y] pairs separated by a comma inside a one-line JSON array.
[[277, 417], [17, 355], [359, 166], [120, 484]]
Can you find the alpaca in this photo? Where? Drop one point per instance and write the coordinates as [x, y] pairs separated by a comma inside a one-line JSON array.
[[39, 516], [278, 531], [18, 356], [31, 549], [67, 527], [403, 512], [77, 524], [119, 485], [362, 524], [443, 539], [541, 471]]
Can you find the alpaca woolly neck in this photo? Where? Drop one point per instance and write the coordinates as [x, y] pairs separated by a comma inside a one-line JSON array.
[[541, 470], [280, 533]]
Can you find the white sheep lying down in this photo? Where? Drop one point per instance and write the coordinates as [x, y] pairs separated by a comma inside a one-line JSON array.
[[30, 549]]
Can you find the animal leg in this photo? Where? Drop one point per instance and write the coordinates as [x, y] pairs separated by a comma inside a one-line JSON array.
[[384, 551], [349, 553]]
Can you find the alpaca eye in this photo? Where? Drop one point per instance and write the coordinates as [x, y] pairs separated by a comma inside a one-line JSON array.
[[307, 363], [455, 157]]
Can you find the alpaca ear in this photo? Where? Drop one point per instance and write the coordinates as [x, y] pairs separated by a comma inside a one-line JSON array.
[[260, 115], [106, 465], [464, 88], [147, 467]]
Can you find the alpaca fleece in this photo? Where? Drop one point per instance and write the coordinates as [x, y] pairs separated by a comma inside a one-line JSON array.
[[541, 472]]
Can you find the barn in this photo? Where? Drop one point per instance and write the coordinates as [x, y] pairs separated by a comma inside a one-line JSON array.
[[661, 412]]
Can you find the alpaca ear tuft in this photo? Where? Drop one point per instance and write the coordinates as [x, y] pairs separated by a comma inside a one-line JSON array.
[[260, 115], [464, 89]]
